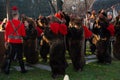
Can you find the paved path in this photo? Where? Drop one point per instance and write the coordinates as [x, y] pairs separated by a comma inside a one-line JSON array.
[[89, 59]]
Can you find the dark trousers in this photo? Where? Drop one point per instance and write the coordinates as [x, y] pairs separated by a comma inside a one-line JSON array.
[[44, 50], [92, 46], [12, 51]]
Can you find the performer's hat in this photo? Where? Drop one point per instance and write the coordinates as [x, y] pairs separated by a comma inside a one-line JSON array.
[[58, 15], [15, 10]]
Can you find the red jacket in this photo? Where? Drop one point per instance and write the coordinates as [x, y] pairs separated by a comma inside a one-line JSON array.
[[111, 29], [39, 31], [9, 29], [87, 32]]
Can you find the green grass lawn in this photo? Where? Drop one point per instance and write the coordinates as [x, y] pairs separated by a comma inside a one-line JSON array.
[[92, 71]]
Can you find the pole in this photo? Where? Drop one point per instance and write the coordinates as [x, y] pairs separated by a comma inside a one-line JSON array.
[[91, 5], [7, 10]]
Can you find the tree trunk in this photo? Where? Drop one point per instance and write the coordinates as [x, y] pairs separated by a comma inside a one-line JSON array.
[[59, 5]]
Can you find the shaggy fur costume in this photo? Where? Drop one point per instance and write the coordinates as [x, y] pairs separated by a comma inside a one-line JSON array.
[[30, 52], [75, 38], [103, 45], [55, 35], [116, 47], [103, 51], [2, 49], [30, 46]]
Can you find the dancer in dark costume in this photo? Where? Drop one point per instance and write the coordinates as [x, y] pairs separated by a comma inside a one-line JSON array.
[[30, 41], [44, 47], [76, 40], [103, 45], [2, 41], [54, 35], [116, 50]]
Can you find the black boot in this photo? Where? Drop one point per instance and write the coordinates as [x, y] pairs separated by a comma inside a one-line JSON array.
[[22, 65], [6, 67]]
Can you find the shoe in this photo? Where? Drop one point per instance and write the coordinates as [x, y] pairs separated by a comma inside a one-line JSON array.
[[44, 60], [5, 72], [54, 76], [107, 63], [79, 70], [25, 71]]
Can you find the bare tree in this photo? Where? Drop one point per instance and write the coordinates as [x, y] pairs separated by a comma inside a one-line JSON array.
[[81, 6], [59, 5], [52, 6]]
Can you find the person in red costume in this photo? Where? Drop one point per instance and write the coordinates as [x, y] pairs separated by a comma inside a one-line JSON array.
[[14, 33]]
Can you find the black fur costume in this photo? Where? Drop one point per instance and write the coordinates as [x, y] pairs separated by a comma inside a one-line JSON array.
[[116, 47], [76, 40], [103, 45], [103, 51], [30, 45], [2, 49], [57, 52], [42, 23], [44, 48]]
